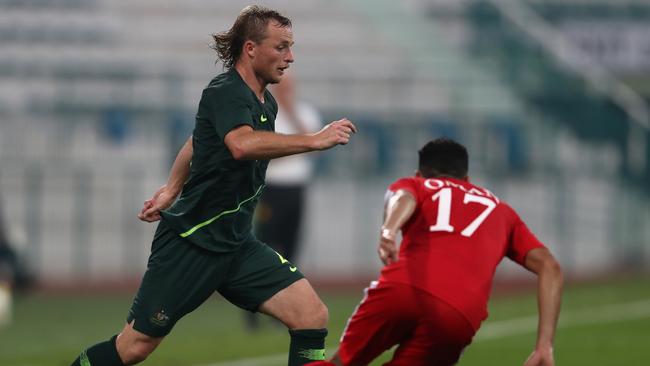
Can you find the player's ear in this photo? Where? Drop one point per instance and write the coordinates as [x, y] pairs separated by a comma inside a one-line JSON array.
[[466, 178], [249, 48], [418, 173]]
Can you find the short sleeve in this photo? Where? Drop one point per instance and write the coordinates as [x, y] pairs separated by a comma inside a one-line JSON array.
[[224, 110], [408, 184], [522, 240]]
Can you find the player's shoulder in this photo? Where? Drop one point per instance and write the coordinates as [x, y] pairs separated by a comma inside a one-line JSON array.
[[405, 181], [509, 210], [228, 85], [409, 184]]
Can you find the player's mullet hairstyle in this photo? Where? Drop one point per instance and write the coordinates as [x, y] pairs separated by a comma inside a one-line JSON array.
[[249, 25], [443, 157]]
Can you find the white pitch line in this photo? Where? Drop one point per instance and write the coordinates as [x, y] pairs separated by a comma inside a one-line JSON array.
[[595, 315], [511, 327]]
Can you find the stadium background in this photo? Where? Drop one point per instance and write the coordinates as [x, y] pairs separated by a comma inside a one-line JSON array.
[[551, 97]]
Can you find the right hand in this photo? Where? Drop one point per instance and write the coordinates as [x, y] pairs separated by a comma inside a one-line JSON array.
[[162, 199], [387, 247], [335, 133], [541, 357]]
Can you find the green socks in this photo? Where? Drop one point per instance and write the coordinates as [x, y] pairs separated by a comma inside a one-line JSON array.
[[101, 354], [307, 345]]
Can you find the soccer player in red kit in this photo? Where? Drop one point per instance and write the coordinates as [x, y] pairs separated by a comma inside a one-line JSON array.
[[432, 294]]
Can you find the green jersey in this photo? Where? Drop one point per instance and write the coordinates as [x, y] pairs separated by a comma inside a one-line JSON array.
[[215, 209]]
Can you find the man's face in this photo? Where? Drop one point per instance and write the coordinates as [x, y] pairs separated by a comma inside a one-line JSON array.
[[273, 55]]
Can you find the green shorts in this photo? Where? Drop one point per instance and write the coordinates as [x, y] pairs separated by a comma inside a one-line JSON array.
[[180, 276]]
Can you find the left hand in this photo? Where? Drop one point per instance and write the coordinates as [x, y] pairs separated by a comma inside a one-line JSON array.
[[336, 133], [541, 357], [387, 247], [162, 199]]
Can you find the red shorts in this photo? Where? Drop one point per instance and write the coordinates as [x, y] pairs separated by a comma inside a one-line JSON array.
[[428, 330]]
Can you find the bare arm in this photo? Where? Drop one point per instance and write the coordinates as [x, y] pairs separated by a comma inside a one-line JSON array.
[[549, 296], [399, 209], [245, 143], [166, 195]]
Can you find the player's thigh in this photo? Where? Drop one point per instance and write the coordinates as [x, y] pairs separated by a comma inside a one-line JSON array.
[[180, 276], [384, 318], [439, 337], [259, 274]]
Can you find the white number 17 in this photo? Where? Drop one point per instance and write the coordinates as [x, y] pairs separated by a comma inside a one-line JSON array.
[[444, 211]]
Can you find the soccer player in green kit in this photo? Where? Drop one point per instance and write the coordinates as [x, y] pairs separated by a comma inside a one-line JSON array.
[[203, 242]]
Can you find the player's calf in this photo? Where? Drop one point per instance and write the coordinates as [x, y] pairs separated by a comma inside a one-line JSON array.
[[133, 346], [101, 354]]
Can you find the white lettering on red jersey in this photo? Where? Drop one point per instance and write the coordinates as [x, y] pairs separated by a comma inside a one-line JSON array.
[[454, 241]]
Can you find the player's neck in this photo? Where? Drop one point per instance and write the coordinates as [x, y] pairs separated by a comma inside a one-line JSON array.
[[443, 176], [252, 80]]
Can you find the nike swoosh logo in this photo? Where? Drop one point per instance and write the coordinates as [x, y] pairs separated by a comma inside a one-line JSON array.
[[263, 119], [291, 268]]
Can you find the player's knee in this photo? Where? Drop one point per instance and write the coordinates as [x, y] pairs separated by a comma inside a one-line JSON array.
[[323, 316], [317, 317], [314, 316]]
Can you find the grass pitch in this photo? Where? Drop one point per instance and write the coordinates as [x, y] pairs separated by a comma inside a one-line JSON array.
[[601, 324]]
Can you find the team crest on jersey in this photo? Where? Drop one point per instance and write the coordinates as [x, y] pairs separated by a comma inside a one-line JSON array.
[[160, 318]]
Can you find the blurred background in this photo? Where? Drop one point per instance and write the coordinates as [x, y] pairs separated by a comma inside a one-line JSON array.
[[551, 98]]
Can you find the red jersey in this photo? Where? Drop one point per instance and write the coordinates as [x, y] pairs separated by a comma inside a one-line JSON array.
[[454, 241]]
